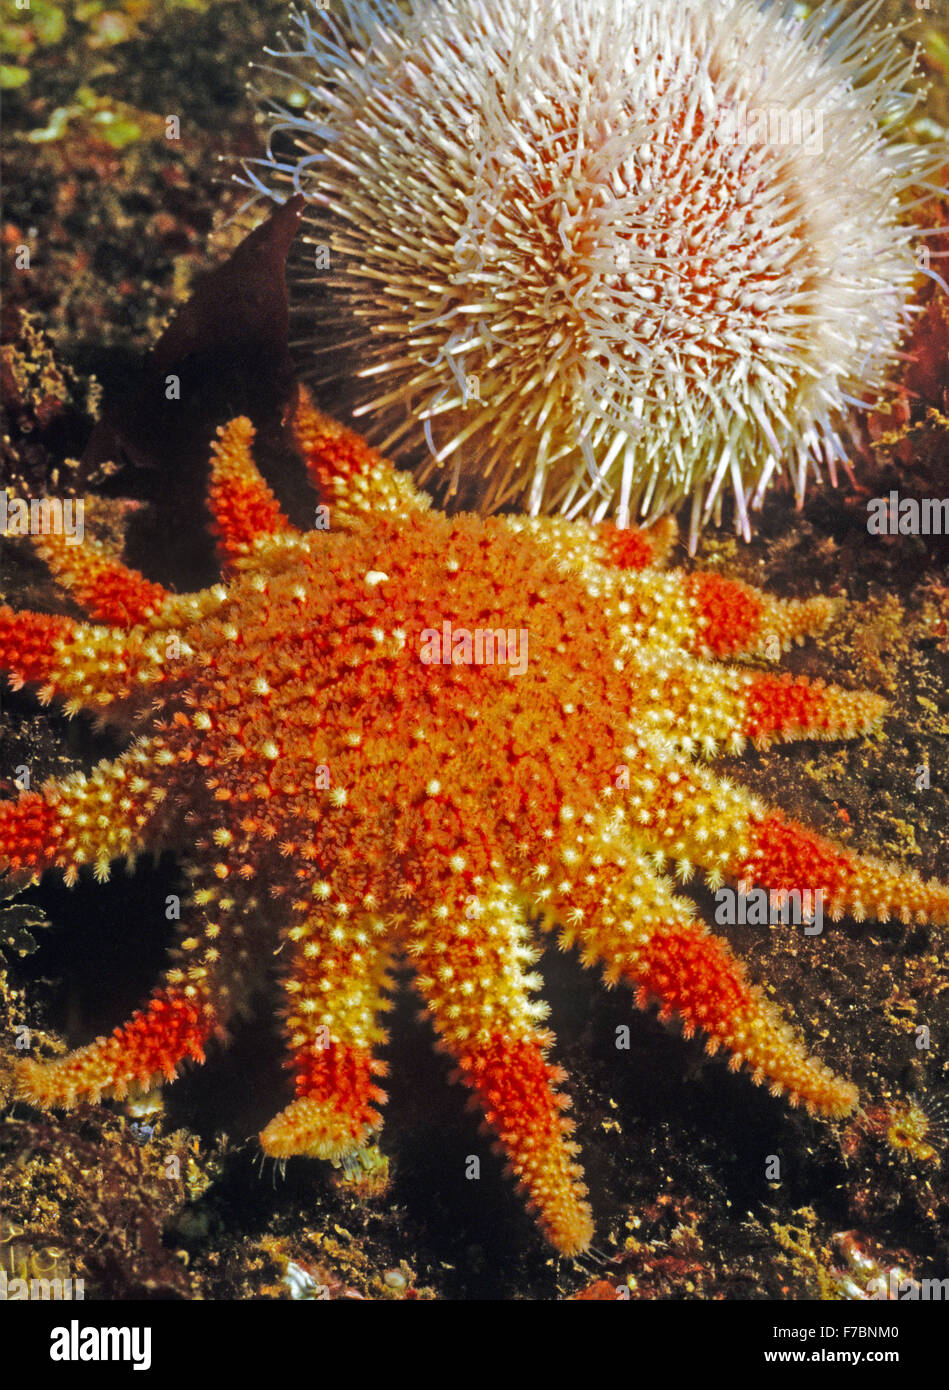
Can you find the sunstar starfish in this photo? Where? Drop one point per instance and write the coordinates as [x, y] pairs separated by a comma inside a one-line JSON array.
[[334, 790]]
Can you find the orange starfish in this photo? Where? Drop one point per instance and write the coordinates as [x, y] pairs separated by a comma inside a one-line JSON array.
[[410, 733]]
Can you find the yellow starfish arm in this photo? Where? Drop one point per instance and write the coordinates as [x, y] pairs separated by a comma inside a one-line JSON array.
[[89, 667], [587, 545], [706, 708], [694, 816], [335, 990], [472, 960], [710, 616], [207, 982], [110, 814], [106, 589], [648, 938]]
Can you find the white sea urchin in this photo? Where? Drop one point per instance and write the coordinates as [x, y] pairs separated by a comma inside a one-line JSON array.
[[624, 252]]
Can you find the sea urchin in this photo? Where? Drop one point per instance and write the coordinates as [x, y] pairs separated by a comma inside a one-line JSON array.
[[605, 256]]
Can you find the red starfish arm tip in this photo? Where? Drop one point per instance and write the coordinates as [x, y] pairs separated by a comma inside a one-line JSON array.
[[787, 856], [243, 507], [715, 618], [696, 976], [333, 1114], [346, 471], [711, 705], [107, 590], [148, 1047], [514, 1084], [31, 832], [91, 667], [635, 547], [733, 619], [782, 706], [30, 644]]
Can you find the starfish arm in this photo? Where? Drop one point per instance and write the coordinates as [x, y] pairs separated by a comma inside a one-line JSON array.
[[712, 617], [193, 1001], [647, 937], [89, 667], [111, 814], [694, 816], [470, 971], [335, 991], [31, 832], [31, 644], [243, 508], [707, 707], [348, 474], [173, 1025], [106, 589], [786, 856], [583, 545], [180, 611]]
